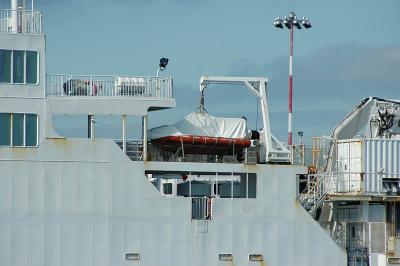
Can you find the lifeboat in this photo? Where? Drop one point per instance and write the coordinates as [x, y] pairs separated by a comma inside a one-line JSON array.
[[201, 133], [202, 144]]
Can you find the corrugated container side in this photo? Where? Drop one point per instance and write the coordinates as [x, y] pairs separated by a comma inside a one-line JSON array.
[[381, 160]]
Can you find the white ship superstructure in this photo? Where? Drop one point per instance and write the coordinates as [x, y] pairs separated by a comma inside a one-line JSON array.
[[356, 197], [178, 199]]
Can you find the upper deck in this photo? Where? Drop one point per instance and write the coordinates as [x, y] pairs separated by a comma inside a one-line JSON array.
[[24, 76], [108, 94], [21, 21]]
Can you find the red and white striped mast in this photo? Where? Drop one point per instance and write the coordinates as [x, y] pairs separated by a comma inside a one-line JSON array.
[[290, 22], [290, 117]]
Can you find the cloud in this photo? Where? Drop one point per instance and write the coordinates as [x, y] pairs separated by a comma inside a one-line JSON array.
[[328, 83], [348, 69], [351, 62]]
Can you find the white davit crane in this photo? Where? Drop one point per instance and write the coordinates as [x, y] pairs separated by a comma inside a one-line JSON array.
[[275, 151], [379, 117]]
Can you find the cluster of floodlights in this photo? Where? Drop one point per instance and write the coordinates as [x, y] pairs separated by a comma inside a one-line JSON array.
[[291, 20]]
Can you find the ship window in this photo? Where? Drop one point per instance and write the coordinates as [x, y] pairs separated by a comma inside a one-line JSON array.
[[5, 66], [20, 67], [31, 67], [18, 130], [5, 129], [167, 188], [31, 130]]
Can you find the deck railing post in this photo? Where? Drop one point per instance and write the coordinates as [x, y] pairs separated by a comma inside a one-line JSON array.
[[124, 133], [145, 138]]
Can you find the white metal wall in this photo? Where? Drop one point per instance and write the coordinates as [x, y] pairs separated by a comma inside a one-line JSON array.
[[349, 165], [75, 207]]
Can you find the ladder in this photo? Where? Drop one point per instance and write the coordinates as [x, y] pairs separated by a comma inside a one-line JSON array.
[[316, 191]]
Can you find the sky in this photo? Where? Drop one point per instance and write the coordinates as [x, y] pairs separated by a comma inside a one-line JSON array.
[[351, 52]]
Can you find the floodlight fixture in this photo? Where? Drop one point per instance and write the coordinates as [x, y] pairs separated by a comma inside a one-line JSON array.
[[278, 22], [163, 65], [287, 22], [297, 24], [306, 23]]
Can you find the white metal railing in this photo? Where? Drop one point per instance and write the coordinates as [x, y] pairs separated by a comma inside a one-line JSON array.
[[321, 184], [315, 191], [20, 21], [107, 85], [340, 183]]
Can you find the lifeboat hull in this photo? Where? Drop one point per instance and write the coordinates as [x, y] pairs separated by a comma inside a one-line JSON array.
[[202, 144]]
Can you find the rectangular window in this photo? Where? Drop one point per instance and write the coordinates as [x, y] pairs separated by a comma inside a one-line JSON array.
[[30, 130], [5, 66], [167, 187], [18, 130], [18, 66], [31, 67], [5, 129]]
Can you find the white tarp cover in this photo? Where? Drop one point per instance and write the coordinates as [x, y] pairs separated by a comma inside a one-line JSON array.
[[202, 124]]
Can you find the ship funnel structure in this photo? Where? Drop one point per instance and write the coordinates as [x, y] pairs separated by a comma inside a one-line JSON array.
[[17, 7], [17, 4]]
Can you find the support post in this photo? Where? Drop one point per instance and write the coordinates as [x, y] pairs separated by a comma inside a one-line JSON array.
[[145, 138], [216, 185], [124, 133], [190, 184], [247, 185], [232, 186], [91, 126], [265, 117], [14, 16]]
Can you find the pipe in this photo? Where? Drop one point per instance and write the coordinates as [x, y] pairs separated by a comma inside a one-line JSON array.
[[124, 133], [145, 138], [91, 123], [14, 16]]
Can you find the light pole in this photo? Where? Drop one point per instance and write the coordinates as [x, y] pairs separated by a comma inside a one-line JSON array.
[[290, 22]]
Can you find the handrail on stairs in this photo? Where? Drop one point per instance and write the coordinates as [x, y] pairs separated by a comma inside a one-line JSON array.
[[316, 190]]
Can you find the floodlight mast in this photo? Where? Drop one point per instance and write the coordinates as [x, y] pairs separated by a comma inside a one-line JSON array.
[[290, 22]]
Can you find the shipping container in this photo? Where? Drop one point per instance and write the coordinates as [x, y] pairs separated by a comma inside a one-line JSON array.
[[363, 164], [381, 160]]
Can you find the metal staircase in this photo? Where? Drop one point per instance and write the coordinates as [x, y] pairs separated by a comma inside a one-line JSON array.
[[314, 194], [134, 149]]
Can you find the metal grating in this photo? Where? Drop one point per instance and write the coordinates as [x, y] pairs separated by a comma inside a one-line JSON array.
[[377, 237]]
